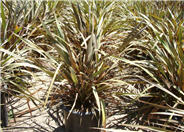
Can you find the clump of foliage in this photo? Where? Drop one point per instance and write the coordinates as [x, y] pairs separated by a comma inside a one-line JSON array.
[[159, 105]]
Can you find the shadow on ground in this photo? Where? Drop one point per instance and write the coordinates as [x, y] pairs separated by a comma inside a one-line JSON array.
[[50, 120]]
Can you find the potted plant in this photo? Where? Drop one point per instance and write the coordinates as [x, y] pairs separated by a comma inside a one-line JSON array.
[[14, 79], [158, 97], [80, 66], [14, 65]]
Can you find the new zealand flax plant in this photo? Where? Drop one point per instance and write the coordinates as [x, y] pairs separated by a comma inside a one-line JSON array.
[[13, 56], [78, 62], [166, 66], [158, 106]]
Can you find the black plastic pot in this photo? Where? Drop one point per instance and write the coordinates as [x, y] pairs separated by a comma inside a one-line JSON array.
[[3, 110], [80, 122]]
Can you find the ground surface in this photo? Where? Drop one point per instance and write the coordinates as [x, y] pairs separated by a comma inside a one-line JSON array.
[[28, 117]]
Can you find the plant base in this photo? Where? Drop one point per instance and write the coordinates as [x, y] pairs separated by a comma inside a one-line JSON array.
[[80, 123]]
